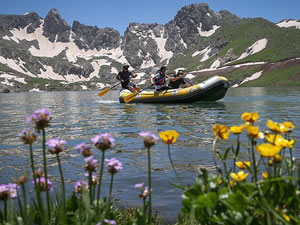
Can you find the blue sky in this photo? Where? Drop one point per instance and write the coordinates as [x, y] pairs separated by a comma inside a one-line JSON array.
[[119, 13]]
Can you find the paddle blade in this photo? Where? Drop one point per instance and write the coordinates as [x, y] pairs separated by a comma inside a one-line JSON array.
[[130, 97], [101, 93]]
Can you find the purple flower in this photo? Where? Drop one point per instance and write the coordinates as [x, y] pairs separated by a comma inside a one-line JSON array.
[[55, 145], [144, 194], [106, 221], [150, 139], [139, 186], [12, 190], [91, 164], [41, 117], [94, 178], [81, 186], [8, 190], [113, 165], [27, 136], [103, 141], [112, 222], [42, 184], [84, 149], [4, 192]]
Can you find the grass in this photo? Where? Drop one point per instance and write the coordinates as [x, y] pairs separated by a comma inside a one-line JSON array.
[[289, 76]]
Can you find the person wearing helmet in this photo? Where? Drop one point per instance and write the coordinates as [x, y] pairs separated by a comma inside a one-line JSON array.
[[159, 79], [124, 76], [178, 80]]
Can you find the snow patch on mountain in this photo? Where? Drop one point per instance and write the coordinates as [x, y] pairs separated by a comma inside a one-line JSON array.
[[202, 51], [255, 48], [189, 76], [207, 33], [161, 43], [289, 23], [16, 65], [252, 77], [206, 54], [50, 49], [215, 64], [8, 79]]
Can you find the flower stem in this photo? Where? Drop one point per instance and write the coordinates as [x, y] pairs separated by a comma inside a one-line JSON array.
[[150, 188], [110, 188], [91, 187], [25, 203], [144, 208], [5, 210], [100, 178], [46, 173], [178, 177], [62, 181], [253, 161], [37, 187], [214, 154]]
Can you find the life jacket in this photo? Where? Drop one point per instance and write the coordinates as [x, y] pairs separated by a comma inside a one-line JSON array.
[[160, 80]]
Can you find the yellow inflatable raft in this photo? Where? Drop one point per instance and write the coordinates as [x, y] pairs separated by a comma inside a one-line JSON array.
[[211, 89]]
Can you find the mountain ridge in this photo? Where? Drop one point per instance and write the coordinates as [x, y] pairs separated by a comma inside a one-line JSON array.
[[51, 49]]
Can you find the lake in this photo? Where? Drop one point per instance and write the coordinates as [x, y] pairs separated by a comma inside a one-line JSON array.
[[79, 116]]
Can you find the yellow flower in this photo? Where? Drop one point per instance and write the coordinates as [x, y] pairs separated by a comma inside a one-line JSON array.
[[289, 126], [291, 144], [231, 183], [253, 131], [243, 165], [237, 129], [239, 176], [278, 140], [221, 131], [267, 150], [219, 181], [276, 127], [286, 217], [265, 175], [250, 117], [277, 158], [270, 162], [169, 136]]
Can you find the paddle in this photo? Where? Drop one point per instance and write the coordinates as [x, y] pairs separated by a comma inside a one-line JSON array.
[[132, 96], [101, 93]]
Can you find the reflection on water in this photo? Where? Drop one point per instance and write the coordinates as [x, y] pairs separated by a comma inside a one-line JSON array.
[[78, 116]]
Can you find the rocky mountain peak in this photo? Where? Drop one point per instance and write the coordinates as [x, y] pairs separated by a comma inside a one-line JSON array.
[[55, 27], [8, 22], [92, 37]]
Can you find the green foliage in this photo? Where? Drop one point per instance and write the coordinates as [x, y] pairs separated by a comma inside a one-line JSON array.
[[210, 202], [217, 199]]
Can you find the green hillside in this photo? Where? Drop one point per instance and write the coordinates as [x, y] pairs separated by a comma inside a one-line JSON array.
[[232, 41]]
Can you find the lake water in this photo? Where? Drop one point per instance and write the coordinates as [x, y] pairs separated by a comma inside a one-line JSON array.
[[79, 116]]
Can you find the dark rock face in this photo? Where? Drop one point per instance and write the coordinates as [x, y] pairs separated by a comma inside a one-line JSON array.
[[88, 37], [138, 43], [187, 23], [8, 22], [54, 26]]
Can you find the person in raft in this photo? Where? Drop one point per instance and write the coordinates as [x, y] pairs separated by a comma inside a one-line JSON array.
[[124, 76], [159, 79], [177, 80]]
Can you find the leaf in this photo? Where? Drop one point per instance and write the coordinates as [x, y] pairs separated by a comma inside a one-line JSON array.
[[237, 202], [178, 186], [226, 153]]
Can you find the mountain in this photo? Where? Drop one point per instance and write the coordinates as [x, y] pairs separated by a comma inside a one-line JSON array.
[[49, 54]]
